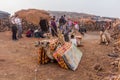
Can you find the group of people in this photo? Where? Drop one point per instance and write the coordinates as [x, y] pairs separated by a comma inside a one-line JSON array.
[[16, 27], [64, 25]]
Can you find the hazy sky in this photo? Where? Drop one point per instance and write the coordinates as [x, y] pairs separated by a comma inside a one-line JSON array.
[[99, 7]]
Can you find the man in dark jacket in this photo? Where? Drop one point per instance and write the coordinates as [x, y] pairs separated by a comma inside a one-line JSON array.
[[44, 25]]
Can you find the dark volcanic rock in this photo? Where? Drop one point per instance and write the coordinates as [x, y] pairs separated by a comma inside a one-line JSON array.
[[4, 14]]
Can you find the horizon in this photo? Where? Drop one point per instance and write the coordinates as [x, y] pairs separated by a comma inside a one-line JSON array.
[[62, 11], [105, 8]]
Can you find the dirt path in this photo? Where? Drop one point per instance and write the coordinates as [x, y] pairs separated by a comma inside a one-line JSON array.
[[18, 61]]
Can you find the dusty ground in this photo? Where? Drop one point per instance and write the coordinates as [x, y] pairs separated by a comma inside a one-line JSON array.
[[18, 61]]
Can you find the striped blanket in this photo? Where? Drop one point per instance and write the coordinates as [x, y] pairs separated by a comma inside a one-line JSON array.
[[68, 56]]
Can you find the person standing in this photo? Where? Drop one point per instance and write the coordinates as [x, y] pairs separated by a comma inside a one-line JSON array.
[[65, 19], [14, 29], [18, 23], [66, 33], [70, 23], [44, 25], [61, 23], [76, 26], [53, 27]]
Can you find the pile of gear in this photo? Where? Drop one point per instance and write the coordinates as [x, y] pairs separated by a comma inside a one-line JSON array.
[[65, 54], [46, 49]]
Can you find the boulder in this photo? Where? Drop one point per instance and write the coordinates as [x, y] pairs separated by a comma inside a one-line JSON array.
[[4, 15]]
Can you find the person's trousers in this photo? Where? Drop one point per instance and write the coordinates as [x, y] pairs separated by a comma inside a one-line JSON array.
[[14, 35], [19, 31]]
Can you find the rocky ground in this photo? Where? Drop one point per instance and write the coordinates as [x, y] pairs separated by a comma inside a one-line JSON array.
[[18, 61]]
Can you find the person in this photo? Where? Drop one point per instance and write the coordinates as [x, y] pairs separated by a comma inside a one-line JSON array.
[[38, 33], [53, 27], [76, 26], [14, 28], [44, 25], [66, 33], [82, 30], [18, 23], [73, 40], [70, 23], [29, 33], [61, 22], [54, 17], [65, 19], [104, 36]]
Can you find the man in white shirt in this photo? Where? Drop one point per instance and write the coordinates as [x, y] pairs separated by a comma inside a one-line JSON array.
[[12, 19], [18, 23]]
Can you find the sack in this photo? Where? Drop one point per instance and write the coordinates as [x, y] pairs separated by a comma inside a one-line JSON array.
[[68, 56]]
